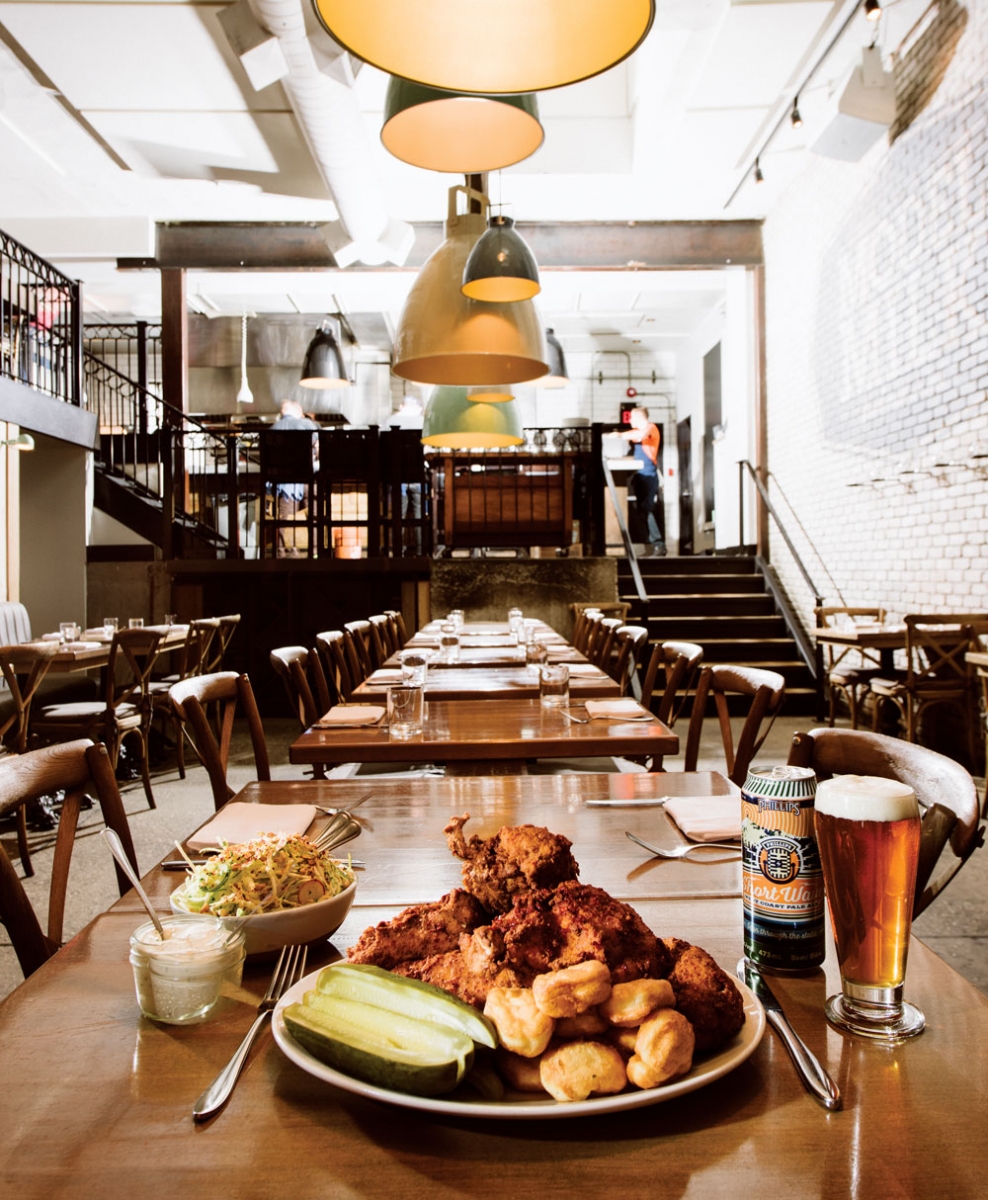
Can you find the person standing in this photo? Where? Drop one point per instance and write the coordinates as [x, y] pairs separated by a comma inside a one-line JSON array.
[[646, 483], [291, 498]]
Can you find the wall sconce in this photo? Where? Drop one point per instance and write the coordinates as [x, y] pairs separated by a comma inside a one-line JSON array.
[[23, 441]]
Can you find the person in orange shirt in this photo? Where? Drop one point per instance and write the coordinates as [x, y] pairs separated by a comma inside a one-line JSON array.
[[646, 484]]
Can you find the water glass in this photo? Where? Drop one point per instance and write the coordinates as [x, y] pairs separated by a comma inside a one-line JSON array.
[[457, 617], [68, 631], [449, 643], [406, 706], [525, 632], [554, 685], [110, 626], [514, 619], [135, 623], [414, 666], [171, 619], [536, 655]]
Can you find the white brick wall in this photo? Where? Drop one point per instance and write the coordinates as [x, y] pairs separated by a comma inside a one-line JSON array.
[[877, 350]]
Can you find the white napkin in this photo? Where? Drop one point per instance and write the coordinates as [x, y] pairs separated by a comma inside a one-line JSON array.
[[84, 645], [629, 710], [584, 670], [707, 818], [386, 676], [51, 637], [244, 822], [351, 714]]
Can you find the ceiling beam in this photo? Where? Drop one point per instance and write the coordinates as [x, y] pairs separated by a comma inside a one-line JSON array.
[[591, 245]]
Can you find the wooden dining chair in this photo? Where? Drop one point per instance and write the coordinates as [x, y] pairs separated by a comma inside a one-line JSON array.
[[125, 710], [589, 632], [291, 665], [23, 667], [848, 669], [227, 627], [582, 622], [227, 690], [357, 655], [601, 648], [629, 642], [767, 690], [332, 654], [189, 660], [77, 768], [398, 621], [946, 793], [382, 647], [679, 663]]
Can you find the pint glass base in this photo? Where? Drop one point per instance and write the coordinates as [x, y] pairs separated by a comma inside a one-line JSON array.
[[883, 1022]]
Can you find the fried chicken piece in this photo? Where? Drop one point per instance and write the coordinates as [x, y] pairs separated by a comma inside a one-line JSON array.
[[705, 995], [420, 931], [516, 860], [449, 972]]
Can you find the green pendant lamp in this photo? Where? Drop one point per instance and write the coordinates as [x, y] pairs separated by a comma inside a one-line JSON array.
[[457, 133], [455, 422], [445, 337], [466, 46], [501, 267]]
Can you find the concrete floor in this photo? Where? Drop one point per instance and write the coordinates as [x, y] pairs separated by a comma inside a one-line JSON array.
[[955, 926]]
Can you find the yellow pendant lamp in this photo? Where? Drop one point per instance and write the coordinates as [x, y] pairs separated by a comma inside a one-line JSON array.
[[456, 133], [466, 46], [456, 422], [445, 337]]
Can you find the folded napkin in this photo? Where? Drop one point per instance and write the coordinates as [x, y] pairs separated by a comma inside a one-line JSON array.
[[584, 670], [707, 818], [84, 645], [51, 637], [244, 822], [351, 714], [629, 710], [386, 675]]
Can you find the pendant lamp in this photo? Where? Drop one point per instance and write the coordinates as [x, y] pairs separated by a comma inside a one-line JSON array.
[[491, 393], [245, 395], [557, 376], [454, 421], [444, 337], [323, 366], [501, 267], [465, 46], [457, 133]]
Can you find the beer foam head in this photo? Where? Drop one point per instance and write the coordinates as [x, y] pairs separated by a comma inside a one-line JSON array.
[[866, 798]]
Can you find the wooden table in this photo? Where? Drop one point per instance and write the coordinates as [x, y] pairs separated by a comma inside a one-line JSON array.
[[487, 731], [488, 683], [884, 638], [97, 1100], [96, 657]]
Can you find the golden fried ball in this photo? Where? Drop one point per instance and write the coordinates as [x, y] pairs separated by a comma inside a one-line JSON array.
[[572, 990], [576, 1070]]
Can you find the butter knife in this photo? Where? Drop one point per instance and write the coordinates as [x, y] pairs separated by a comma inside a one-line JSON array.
[[814, 1076]]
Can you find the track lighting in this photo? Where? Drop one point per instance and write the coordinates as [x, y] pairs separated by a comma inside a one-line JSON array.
[[759, 177], [795, 117], [873, 10]]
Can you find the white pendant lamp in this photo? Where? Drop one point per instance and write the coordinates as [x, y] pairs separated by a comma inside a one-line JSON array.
[[454, 421], [444, 337], [245, 395], [468, 46]]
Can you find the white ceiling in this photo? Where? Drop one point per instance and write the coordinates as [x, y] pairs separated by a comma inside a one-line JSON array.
[[118, 114]]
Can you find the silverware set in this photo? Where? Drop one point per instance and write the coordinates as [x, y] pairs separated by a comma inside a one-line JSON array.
[[688, 848]]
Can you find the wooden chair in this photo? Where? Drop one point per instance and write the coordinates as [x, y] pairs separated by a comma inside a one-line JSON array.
[[291, 664], [946, 793], [601, 648], [75, 768], [398, 621], [582, 623], [767, 690], [190, 660], [589, 631], [357, 653], [679, 663], [225, 689], [629, 641], [849, 669], [382, 646], [24, 667], [227, 627], [332, 654], [936, 673], [125, 708]]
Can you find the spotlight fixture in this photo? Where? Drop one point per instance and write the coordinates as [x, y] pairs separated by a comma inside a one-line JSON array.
[[464, 48], [323, 366], [501, 267], [873, 10], [458, 133], [759, 177], [795, 117], [23, 441], [556, 376], [454, 421]]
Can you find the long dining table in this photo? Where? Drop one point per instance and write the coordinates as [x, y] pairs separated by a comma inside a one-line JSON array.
[[97, 1100], [442, 682]]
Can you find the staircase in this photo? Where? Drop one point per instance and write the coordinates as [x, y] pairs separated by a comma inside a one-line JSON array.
[[723, 605]]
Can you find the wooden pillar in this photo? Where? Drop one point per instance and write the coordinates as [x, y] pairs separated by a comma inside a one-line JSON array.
[[761, 411], [174, 339]]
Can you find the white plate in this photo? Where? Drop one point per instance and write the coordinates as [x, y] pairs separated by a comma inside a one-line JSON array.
[[527, 1109]]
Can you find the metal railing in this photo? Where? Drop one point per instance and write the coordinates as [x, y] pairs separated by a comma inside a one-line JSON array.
[[40, 324], [132, 349], [629, 545]]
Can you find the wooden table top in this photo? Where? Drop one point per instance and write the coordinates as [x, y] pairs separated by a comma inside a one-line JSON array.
[[95, 657], [488, 730], [877, 637], [978, 658], [490, 683]]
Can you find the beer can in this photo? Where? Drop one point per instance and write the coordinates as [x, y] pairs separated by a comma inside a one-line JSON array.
[[782, 881]]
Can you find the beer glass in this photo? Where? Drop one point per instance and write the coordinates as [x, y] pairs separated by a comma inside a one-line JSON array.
[[868, 835]]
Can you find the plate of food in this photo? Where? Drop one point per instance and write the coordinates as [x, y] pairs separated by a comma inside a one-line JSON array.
[[525, 993]]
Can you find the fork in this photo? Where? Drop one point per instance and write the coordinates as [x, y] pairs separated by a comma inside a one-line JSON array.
[[688, 848], [289, 969]]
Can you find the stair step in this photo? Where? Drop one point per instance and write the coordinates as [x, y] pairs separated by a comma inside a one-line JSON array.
[[702, 629], [723, 605], [701, 564], [659, 587]]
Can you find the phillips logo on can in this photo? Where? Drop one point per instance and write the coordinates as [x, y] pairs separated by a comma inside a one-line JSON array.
[[782, 883]]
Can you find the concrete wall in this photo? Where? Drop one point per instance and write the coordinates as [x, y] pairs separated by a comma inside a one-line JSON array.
[[877, 343]]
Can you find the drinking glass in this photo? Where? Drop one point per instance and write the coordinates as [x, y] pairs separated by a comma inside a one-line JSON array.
[[554, 685], [525, 632], [110, 626], [414, 666], [135, 623], [449, 642], [405, 710], [536, 655], [68, 631], [868, 832], [171, 619], [457, 617], [514, 619]]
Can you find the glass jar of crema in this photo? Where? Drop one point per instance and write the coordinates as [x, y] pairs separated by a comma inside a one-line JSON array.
[[179, 980]]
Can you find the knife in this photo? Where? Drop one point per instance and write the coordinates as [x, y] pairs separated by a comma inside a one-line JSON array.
[[815, 1078]]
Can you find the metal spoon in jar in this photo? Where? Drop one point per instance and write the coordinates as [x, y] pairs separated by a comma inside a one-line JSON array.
[[117, 850]]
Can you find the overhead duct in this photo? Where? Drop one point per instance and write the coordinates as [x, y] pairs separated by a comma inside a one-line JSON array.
[[865, 110], [334, 129]]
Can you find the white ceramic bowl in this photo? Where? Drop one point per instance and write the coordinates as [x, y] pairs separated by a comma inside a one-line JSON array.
[[270, 931]]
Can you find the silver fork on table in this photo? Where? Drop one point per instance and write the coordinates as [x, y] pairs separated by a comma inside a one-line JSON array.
[[287, 972], [688, 848]]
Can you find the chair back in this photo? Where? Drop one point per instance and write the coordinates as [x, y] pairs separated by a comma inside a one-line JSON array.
[[332, 653], [679, 663], [227, 689], [23, 668], [834, 615], [946, 793], [382, 646], [224, 635], [398, 622], [128, 671], [935, 648], [75, 768], [198, 646], [767, 690], [600, 649], [291, 663], [629, 642], [357, 636]]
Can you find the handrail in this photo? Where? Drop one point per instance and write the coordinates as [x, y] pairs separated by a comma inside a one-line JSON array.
[[629, 546], [802, 529], [769, 507]]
